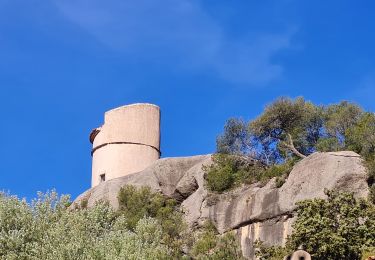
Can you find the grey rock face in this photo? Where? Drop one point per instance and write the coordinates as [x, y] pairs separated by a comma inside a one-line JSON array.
[[174, 177], [254, 212]]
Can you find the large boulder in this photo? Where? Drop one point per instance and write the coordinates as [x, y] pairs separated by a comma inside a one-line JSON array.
[[254, 211], [267, 213], [174, 177]]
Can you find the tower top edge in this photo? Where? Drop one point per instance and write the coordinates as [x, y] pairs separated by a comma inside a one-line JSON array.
[[133, 105]]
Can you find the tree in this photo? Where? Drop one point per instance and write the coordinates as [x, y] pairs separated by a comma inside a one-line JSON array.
[[339, 118], [235, 139], [289, 126], [340, 227], [360, 137]]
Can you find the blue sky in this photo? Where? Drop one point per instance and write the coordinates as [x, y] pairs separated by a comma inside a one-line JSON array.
[[63, 63]]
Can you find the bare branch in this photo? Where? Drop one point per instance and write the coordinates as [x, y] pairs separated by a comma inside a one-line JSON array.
[[291, 146]]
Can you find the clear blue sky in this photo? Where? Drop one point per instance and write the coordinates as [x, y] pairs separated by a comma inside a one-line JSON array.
[[63, 63]]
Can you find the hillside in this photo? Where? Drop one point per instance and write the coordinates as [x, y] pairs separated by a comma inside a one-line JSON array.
[[252, 211]]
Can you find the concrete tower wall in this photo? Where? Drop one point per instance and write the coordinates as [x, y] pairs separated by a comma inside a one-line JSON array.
[[128, 142]]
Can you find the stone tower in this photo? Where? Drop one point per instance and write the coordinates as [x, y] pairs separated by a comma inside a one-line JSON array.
[[128, 142]]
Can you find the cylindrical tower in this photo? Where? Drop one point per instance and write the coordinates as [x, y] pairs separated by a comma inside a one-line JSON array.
[[128, 142]]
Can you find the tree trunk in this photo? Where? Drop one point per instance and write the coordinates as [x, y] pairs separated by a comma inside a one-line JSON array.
[[291, 146]]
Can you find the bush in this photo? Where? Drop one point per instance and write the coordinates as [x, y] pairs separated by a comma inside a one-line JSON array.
[[229, 171], [371, 195], [368, 253], [328, 144], [47, 229], [235, 139], [137, 203], [220, 176], [369, 163], [212, 246], [264, 252], [361, 137], [280, 171], [340, 227]]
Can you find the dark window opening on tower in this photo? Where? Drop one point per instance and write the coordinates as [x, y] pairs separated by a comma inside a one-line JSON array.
[[102, 177]]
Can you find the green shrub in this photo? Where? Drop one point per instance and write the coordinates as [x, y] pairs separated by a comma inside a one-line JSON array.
[[369, 252], [229, 171], [220, 176], [361, 137], [212, 246], [370, 166], [280, 171], [137, 203], [264, 252], [371, 195], [341, 227], [84, 203], [47, 229], [206, 241], [328, 144]]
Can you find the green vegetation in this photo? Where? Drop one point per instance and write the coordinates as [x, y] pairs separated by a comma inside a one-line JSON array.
[[150, 226], [340, 227], [47, 229], [137, 203], [229, 171], [286, 131], [270, 252], [287, 128], [211, 246], [370, 252], [147, 226]]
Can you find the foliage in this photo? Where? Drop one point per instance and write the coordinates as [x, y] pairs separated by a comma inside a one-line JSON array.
[[211, 246], [341, 227], [280, 171], [371, 196], [296, 127], [370, 165], [368, 253], [288, 127], [264, 252], [137, 203], [228, 171], [47, 229], [220, 175], [328, 144], [361, 136], [339, 119], [235, 139]]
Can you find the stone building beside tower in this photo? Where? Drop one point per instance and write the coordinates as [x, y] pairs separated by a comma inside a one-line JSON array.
[[127, 142]]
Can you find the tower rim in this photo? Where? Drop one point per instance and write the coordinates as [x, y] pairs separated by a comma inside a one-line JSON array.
[[131, 105]]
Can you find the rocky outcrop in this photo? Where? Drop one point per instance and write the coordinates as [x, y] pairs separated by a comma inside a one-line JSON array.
[[254, 212], [174, 177]]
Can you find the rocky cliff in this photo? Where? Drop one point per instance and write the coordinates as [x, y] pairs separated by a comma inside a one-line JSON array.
[[253, 212]]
